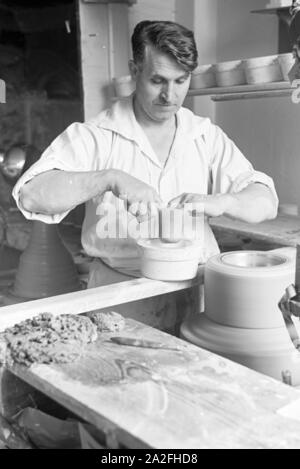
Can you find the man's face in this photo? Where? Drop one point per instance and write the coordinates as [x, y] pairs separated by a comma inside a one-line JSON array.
[[161, 85]]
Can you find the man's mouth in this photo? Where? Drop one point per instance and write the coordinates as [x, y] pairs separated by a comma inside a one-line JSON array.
[[166, 104]]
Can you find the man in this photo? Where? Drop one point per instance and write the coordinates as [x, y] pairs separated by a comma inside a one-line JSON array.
[[294, 33], [146, 150]]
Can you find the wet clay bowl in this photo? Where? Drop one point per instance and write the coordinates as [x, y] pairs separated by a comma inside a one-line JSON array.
[[171, 225], [168, 261]]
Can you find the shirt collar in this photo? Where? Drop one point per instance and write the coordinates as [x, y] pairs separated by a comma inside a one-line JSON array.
[[120, 118]]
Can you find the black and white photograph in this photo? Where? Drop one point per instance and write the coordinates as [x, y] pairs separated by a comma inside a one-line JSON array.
[[149, 227]]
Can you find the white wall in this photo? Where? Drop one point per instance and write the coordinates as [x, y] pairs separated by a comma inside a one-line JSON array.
[[151, 10], [206, 33], [267, 130], [104, 52], [94, 42], [242, 34]]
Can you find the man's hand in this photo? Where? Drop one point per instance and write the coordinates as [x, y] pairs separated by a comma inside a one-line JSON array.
[[138, 196], [253, 204], [210, 205]]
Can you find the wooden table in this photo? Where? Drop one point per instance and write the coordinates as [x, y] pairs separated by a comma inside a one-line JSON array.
[[284, 230], [161, 398], [148, 398]]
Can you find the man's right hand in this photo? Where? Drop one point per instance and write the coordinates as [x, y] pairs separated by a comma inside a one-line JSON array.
[[138, 196]]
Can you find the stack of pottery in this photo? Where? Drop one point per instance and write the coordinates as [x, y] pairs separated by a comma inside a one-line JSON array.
[[230, 73], [251, 71], [260, 70], [203, 77]]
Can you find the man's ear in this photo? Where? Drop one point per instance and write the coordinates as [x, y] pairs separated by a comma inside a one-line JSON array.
[[133, 69]]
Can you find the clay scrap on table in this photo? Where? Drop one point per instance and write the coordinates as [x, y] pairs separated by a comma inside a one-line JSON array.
[[107, 322], [54, 339]]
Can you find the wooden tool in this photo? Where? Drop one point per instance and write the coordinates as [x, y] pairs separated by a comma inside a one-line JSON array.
[[142, 343], [2, 91]]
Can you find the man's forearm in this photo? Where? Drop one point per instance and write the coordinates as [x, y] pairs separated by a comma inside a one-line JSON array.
[[57, 191], [254, 204]]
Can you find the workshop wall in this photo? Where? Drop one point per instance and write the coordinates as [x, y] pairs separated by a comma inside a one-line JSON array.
[[267, 130]]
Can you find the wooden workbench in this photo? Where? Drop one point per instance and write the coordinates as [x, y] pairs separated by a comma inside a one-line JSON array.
[[94, 298], [148, 398], [161, 398], [284, 230]]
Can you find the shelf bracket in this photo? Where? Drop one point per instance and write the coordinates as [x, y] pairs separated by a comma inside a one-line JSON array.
[[2, 91]]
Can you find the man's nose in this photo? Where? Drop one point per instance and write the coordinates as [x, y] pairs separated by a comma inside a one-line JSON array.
[[167, 93]]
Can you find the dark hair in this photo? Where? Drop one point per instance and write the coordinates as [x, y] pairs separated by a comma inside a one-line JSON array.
[[168, 37]]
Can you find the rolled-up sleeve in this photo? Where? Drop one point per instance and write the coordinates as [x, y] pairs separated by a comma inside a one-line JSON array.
[[231, 172], [76, 149]]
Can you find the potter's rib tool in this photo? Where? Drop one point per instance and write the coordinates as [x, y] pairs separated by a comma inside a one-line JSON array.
[[142, 343]]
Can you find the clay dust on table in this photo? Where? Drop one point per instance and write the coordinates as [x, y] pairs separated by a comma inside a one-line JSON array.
[[54, 339]]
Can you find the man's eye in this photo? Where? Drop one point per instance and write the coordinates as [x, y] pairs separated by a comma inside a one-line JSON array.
[[156, 81], [181, 81]]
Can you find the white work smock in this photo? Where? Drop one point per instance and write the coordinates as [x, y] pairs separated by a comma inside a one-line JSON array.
[[202, 160]]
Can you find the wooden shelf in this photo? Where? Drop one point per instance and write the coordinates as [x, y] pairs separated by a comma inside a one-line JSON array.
[[130, 2], [272, 11], [2, 91], [265, 90], [282, 12]]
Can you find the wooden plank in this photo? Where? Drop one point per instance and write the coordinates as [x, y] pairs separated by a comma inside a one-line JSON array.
[[16, 395], [272, 11], [275, 86], [284, 230], [129, 2], [94, 298], [167, 399], [2, 92], [251, 95]]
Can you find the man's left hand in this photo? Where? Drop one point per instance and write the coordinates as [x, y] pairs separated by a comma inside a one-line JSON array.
[[209, 205]]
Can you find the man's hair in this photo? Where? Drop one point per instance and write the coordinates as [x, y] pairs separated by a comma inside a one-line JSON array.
[[168, 37]]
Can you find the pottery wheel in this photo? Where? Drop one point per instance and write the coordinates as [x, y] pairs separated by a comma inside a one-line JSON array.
[[242, 320]]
